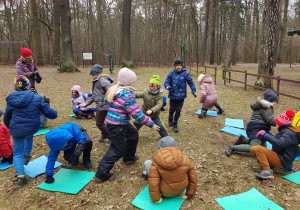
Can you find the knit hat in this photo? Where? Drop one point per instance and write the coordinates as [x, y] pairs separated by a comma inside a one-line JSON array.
[[270, 96], [178, 62], [25, 52], [1, 113], [166, 141], [21, 83], [285, 118], [155, 80], [126, 77], [201, 77], [296, 120], [96, 69], [76, 88]]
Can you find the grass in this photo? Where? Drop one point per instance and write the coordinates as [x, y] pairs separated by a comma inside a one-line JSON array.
[[201, 140]]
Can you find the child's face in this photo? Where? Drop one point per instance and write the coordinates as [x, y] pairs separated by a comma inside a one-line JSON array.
[[28, 59], [153, 87], [178, 67], [94, 77], [74, 93]]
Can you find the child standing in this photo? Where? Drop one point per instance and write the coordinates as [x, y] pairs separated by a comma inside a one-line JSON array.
[[176, 82], [123, 136], [78, 100], [171, 172], [153, 102], [284, 146], [6, 146], [208, 96], [262, 119], [101, 83], [73, 140], [22, 118]]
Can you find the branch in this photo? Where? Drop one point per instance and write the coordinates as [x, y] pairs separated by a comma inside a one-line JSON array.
[[49, 28], [173, 4]]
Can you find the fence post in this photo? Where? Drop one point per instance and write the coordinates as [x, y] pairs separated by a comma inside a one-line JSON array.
[[215, 74], [245, 88], [224, 75], [229, 76], [278, 86]]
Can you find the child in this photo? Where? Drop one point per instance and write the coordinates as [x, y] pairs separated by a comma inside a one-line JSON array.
[[101, 83], [22, 118], [262, 119], [176, 82], [26, 66], [43, 118], [284, 146], [73, 140], [208, 96], [171, 172], [78, 101], [153, 101], [123, 136], [6, 146]]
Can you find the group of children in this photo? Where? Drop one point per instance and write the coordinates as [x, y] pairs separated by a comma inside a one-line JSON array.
[[169, 172]]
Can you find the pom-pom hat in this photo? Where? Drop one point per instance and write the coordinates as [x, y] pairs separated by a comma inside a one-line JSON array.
[[96, 69], [25, 52], [126, 77], [285, 118], [21, 83], [166, 141], [155, 80], [270, 96]]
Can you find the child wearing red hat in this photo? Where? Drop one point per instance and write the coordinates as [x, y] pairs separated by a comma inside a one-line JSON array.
[[26, 66], [284, 146]]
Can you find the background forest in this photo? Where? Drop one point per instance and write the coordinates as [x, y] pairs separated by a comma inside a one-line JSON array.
[[210, 31]]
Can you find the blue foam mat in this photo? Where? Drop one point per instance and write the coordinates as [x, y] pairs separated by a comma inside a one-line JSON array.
[[211, 113], [234, 131], [237, 123]]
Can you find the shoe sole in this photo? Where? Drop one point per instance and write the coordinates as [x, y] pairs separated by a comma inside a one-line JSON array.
[[265, 178]]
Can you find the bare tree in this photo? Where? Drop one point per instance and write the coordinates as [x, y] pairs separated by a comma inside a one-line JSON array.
[[125, 33], [56, 27], [205, 36]]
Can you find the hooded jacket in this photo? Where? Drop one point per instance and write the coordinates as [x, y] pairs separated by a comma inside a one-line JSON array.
[[208, 96], [64, 138], [26, 70], [22, 114], [6, 146], [171, 172]]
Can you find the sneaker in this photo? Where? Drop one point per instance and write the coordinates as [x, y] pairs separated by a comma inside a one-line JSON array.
[[87, 164], [22, 180], [241, 140], [136, 157], [228, 151], [145, 174], [265, 174], [26, 159], [109, 178], [175, 128]]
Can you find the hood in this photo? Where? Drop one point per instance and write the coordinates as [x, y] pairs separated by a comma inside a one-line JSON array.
[[207, 80], [158, 91], [20, 99], [168, 158], [260, 104], [108, 76], [57, 138]]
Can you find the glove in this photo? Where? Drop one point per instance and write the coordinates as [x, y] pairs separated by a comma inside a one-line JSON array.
[[49, 179], [89, 94], [195, 94], [35, 72], [74, 160], [169, 88], [261, 133], [159, 201]]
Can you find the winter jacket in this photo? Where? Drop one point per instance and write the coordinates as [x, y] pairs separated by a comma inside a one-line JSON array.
[[22, 114], [177, 80], [152, 101], [124, 106], [208, 96], [100, 86], [26, 70], [170, 173], [6, 146], [262, 118], [285, 144], [64, 138], [80, 100]]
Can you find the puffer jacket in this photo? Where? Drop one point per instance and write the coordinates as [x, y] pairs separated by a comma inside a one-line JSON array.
[[208, 96], [26, 70], [285, 144], [152, 101], [22, 113], [178, 80], [6, 146], [100, 86], [170, 173]]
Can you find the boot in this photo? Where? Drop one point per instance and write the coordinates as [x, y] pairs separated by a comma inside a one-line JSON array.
[[203, 114], [174, 127], [86, 159], [241, 140], [170, 121], [266, 174], [220, 109], [229, 150], [22, 180], [26, 159]]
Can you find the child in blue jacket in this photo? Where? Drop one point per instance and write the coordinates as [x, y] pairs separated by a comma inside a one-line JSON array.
[[73, 140]]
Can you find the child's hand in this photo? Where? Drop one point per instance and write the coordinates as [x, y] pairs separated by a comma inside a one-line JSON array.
[[169, 88], [156, 127], [261, 133], [149, 112]]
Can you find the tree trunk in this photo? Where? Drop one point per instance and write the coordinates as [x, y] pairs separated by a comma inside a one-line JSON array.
[[213, 33], [282, 31], [205, 36], [66, 39], [56, 28], [256, 17], [125, 34]]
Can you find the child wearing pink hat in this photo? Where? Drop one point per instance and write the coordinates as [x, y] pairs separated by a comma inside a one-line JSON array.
[[284, 146]]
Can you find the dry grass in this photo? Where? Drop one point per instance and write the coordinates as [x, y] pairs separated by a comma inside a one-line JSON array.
[[201, 140]]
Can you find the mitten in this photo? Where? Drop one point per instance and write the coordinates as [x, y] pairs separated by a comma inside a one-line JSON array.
[[49, 179], [74, 160], [169, 88], [261, 133], [195, 94]]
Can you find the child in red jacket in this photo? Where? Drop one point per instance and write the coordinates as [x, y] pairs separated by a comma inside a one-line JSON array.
[[6, 146]]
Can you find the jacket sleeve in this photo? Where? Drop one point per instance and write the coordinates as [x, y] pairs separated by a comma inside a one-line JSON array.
[[168, 81], [7, 116], [189, 80], [48, 111], [203, 93], [285, 140], [268, 116], [158, 105], [139, 94], [52, 157], [192, 176], [153, 182]]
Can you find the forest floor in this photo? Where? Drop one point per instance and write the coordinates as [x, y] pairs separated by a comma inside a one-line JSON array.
[[201, 140]]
